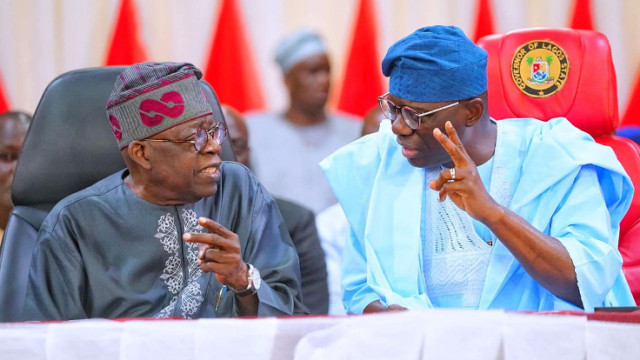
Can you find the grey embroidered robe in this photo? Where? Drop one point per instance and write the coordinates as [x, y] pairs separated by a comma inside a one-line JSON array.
[[104, 252]]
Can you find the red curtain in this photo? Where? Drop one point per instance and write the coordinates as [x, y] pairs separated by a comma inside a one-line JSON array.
[[362, 82], [230, 68], [484, 20], [582, 18], [126, 47], [4, 103]]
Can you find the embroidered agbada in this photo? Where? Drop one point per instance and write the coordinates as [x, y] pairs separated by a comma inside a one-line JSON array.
[[104, 252], [556, 177]]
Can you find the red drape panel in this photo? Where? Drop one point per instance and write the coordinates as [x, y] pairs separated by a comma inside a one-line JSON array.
[[362, 81], [4, 103], [582, 18], [484, 20], [230, 68], [126, 47], [632, 112]]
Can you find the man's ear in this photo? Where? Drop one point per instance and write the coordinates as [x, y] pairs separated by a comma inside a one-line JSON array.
[[139, 152], [475, 109]]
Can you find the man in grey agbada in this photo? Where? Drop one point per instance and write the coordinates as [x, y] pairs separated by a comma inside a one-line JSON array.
[[177, 233]]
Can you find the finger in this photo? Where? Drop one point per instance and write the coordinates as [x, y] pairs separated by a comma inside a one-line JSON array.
[[438, 183], [221, 269], [459, 158], [445, 177], [201, 249], [453, 135], [219, 256], [215, 228], [450, 188], [213, 240]]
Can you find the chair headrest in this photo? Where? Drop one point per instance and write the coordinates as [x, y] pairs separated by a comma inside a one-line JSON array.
[[585, 93], [69, 145]]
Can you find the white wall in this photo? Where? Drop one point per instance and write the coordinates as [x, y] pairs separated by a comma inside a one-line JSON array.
[[40, 39]]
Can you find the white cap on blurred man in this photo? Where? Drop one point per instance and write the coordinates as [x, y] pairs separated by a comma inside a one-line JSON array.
[[297, 47]]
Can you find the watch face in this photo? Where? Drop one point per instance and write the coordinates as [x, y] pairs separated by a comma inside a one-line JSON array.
[[255, 278]]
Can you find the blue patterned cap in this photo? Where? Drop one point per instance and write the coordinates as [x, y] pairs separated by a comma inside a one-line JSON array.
[[435, 64]]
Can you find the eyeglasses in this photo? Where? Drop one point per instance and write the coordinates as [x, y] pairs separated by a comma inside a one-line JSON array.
[[410, 116], [8, 157], [201, 137]]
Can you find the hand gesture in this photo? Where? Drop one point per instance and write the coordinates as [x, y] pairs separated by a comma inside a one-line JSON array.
[[219, 252], [462, 183]]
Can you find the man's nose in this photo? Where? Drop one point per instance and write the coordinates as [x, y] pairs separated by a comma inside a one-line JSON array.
[[212, 146], [324, 78], [400, 127], [12, 166]]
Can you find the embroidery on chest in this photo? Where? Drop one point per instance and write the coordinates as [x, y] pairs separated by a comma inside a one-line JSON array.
[[186, 289]]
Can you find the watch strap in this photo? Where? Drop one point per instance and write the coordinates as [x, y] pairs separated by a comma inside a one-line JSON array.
[[250, 289]]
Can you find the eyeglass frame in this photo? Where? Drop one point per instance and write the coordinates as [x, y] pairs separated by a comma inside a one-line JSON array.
[[195, 134], [399, 110]]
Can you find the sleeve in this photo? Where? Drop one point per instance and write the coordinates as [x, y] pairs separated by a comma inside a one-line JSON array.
[[582, 223], [356, 294], [56, 282], [270, 250]]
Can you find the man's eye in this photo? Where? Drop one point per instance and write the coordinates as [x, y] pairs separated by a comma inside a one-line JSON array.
[[8, 157]]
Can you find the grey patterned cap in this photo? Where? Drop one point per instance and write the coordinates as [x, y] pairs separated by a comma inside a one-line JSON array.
[[149, 98]]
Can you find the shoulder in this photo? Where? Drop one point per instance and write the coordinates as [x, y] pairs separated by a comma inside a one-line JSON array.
[[365, 152], [538, 130], [236, 174], [534, 137], [239, 184], [346, 122], [261, 118], [262, 128], [67, 207], [344, 117], [522, 127]]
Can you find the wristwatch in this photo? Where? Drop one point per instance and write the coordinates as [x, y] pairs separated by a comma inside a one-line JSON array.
[[253, 277]]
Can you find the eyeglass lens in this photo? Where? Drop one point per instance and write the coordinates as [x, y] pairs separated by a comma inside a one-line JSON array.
[[390, 110], [202, 136]]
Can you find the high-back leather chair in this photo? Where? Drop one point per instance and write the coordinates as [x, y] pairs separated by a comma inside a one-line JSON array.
[[68, 147], [546, 73]]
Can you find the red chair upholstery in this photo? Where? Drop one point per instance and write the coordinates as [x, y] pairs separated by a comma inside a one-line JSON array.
[[587, 97]]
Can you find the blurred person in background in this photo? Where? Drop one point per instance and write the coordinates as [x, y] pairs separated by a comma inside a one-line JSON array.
[[13, 128], [299, 221], [288, 146]]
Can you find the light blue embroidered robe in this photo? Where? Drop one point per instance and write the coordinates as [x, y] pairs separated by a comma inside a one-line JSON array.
[[561, 182]]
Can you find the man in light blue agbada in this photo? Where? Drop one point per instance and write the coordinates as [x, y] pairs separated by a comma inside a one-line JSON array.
[[449, 208]]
